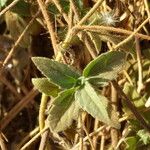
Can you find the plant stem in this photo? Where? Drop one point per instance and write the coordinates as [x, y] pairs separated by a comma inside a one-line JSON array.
[[132, 107], [12, 4], [59, 7], [20, 38], [43, 105], [2, 143], [140, 70], [89, 14], [89, 138], [114, 132], [34, 138], [44, 141], [102, 142], [49, 25], [133, 34], [90, 135], [81, 131], [105, 29], [73, 32], [147, 8]]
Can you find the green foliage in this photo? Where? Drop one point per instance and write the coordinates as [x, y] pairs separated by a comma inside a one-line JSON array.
[[144, 136], [64, 109], [2, 3], [45, 86], [105, 66], [131, 143], [58, 73], [136, 98], [65, 5], [79, 91], [137, 141], [95, 104], [22, 8]]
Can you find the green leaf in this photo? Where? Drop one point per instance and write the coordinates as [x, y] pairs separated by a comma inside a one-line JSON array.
[[22, 8], [53, 9], [131, 143], [58, 73], [46, 86], [144, 136], [63, 111], [96, 41], [99, 82], [132, 93], [96, 105], [106, 66], [2, 3]]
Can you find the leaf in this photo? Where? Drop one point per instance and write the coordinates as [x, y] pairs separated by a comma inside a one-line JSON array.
[[144, 136], [2, 3], [22, 8], [63, 111], [138, 101], [131, 143], [106, 66], [53, 9], [99, 82], [96, 41], [58, 73], [46, 86], [96, 105], [16, 25]]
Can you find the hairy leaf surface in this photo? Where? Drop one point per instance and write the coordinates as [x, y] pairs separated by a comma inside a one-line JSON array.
[[63, 111], [105, 66], [46, 86], [96, 105], [58, 73]]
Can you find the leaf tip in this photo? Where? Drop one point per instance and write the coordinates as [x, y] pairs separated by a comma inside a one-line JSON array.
[[34, 59]]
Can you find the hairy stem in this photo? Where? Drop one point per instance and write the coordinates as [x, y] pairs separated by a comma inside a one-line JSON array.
[[43, 103]]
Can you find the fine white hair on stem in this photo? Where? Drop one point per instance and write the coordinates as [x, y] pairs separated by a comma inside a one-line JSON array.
[[108, 18]]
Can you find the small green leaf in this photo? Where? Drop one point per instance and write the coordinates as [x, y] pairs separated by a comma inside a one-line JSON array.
[[58, 73], [106, 66], [144, 136], [22, 8], [2, 3], [63, 111], [136, 98], [96, 105], [53, 9], [131, 143], [46, 86]]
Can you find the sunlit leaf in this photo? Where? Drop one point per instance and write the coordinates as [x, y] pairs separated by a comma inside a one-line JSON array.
[[131, 143], [144, 136], [96, 105], [58, 73], [46, 86], [3, 3], [106, 66], [63, 111], [136, 98]]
